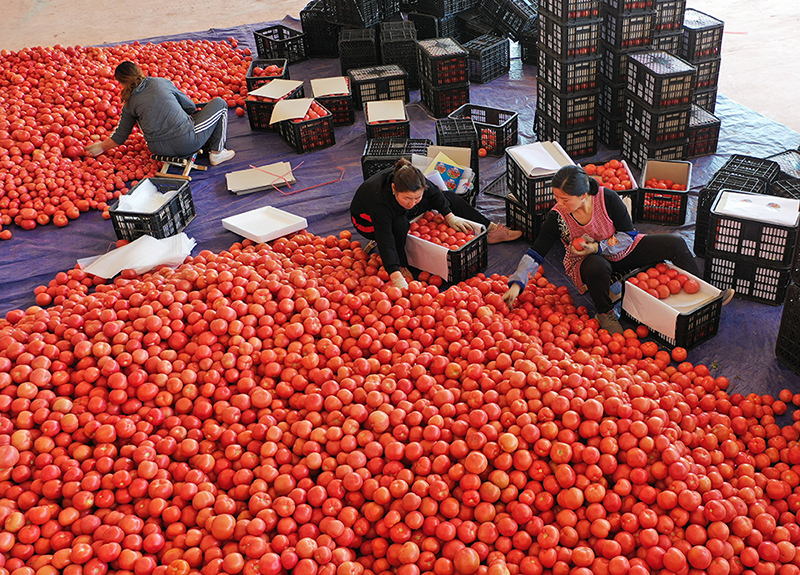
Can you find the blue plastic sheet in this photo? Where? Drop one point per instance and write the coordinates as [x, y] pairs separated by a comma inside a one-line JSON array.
[[743, 350]]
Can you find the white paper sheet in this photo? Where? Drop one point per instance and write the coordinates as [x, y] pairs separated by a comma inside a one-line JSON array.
[[144, 199], [290, 109], [141, 255], [540, 158], [260, 178], [321, 87], [759, 208], [385, 110], [277, 88]]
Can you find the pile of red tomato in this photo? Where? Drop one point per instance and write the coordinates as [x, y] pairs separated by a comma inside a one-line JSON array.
[[432, 227], [663, 281], [54, 101], [282, 409], [613, 175]]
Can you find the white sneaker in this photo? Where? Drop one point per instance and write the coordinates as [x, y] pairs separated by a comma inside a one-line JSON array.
[[216, 158]]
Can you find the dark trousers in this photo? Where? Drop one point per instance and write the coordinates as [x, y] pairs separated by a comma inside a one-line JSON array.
[[597, 271]]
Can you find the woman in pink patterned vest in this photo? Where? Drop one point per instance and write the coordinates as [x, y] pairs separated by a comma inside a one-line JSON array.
[[586, 210]]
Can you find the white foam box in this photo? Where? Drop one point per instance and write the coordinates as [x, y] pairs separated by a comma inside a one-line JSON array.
[[682, 319], [264, 224]]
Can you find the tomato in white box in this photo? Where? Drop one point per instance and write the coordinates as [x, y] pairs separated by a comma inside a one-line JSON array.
[[682, 319], [454, 265]]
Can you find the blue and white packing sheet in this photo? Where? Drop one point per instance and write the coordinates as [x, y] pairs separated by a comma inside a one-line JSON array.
[[661, 315], [756, 207]]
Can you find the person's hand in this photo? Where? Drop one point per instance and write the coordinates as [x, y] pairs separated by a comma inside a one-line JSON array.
[[590, 247], [458, 224], [511, 295], [399, 280], [95, 149]]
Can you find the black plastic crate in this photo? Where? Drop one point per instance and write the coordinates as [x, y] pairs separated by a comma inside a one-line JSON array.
[[786, 188], [609, 130], [566, 111], [629, 6], [340, 105], [358, 48], [655, 126], [259, 112], [786, 349], [443, 100], [707, 75], [509, 16], [614, 63], [667, 42], [353, 13], [759, 242], [471, 24], [468, 260], [636, 151], [789, 162], [519, 218], [580, 142], [489, 58], [575, 40], [611, 98], [691, 328], [752, 281], [706, 100], [390, 9], [461, 133], [669, 16], [307, 135], [702, 36], [253, 81], [535, 193], [429, 26], [568, 10], [703, 133], [664, 207], [170, 219], [378, 83], [627, 30], [497, 187], [568, 77], [497, 129], [529, 42], [399, 46], [386, 129], [280, 42], [322, 37], [705, 199], [381, 154], [661, 80], [442, 61], [765, 169], [443, 8]]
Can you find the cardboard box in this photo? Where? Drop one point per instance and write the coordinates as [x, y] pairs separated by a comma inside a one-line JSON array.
[[678, 171]]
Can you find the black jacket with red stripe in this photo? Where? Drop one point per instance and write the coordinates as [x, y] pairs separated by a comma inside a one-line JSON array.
[[374, 210]]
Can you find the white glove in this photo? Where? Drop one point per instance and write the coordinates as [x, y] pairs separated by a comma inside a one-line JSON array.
[[398, 280], [511, 295], [95, 149], [590, 247], [458, 224]]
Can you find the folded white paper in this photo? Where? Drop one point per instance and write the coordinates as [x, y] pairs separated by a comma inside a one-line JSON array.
[[141, 255], [759, 208], [144, 199], [260, 178], [540, 158]]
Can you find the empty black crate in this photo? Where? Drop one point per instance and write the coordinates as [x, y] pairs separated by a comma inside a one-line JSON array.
[[497, 129], [443, 8], [757, 282], [637, 151], [702, 36], [307, 135], [789, 162], [460, 133], [741, 238], [322, 37], [707, 75], [661, 80], [170, 219], [508, 16], [279, 42], [568, 77], [529, 42], [614, 63], [567, 111], [654, 126], [519, 218], [629, 6], [787, 188], [722, 180], [567, 10], [340, 105], [609, 130], [471, 24], [353, 13], [703, 133], [579, 142], [627, 30], [762, 168], [399, 46], [442, 61], [489, 58], [574, 40], [259, 112], [253, 81], [442, 100], [786, 349], [706, 100], [357, 49], [429, 26], [669, 16], [611, 98], [378, 83], [383, 153], [667, 42]]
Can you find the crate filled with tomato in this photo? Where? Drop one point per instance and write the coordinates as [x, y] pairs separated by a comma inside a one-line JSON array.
[[262, 71], [663, 197], [614, 175], [678, 308], [311, 132]]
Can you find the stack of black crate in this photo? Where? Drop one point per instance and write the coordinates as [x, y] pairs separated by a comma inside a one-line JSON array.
[[627, 28], [321, 36], [437, 18], [701, 45], [668, 26], [399, 46], [568, 63], [509, 16], [443, 67], [658, 99], [786, 349]]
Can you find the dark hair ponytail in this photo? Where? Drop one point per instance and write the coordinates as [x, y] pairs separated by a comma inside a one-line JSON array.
[[130, 76], [574, 181], [407, 178]]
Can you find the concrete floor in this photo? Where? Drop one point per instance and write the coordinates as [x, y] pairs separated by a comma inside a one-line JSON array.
[[760, 68]]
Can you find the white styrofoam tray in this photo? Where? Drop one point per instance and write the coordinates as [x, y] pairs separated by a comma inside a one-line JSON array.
[[264, 224]]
